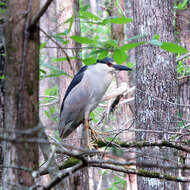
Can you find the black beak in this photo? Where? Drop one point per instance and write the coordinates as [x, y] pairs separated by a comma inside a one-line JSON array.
[[121, 68]]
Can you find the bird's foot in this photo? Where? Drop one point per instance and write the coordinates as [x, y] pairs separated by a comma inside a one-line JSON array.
[[97, 134]]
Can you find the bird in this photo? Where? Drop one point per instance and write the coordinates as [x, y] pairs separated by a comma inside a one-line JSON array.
[[84, 94]]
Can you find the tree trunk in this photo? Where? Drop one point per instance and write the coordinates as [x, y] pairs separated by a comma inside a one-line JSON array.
[[80, 181], [21, 94], [48, 24], [124, 112], [2, 64], [182, 26], [155, 85]]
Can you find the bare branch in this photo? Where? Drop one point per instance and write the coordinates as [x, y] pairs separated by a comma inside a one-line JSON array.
[[63, 174], [143, 173], [60, 46], [183, 57], [35, 20]]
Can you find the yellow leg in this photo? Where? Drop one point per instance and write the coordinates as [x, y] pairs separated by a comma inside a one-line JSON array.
[[96, 134], [86, 125]]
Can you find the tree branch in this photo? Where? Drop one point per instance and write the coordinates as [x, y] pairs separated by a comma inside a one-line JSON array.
[[143, 173], [183, 57], [62, 49], [63, 174], [142, 144], [36, 18]]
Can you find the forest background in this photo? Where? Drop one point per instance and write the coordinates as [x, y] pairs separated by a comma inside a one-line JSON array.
[[145, 112]]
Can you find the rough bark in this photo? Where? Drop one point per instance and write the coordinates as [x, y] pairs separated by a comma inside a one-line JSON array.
[[155, 78], [183, 29], [2, 63], [80, 181], [21, 93]]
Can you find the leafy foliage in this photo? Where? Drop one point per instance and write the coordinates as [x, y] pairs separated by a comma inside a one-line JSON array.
[[119, 183], [182, 5]]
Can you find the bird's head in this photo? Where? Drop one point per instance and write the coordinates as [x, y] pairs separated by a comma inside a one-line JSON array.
[[108, 65]]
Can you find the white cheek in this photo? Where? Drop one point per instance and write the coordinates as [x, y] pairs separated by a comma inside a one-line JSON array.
[[111, 69]]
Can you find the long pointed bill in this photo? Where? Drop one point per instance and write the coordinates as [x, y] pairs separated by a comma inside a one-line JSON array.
[[121, 68]]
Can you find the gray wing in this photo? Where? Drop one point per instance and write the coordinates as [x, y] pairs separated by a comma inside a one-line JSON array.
[[73, 108], [76, 80]]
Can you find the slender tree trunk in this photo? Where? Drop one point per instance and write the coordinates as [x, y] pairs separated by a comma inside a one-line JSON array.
[[80, 181], [124, 112], [21, 94], [48, 24], [155, 81], [182, 26], [2, 114]]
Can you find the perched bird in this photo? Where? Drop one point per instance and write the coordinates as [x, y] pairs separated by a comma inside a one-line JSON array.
[[84, 94]]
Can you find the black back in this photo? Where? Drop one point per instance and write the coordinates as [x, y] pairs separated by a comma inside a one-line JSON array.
[[76, 80]]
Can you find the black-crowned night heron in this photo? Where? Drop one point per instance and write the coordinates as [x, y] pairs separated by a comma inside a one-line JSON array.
[[84, 94]]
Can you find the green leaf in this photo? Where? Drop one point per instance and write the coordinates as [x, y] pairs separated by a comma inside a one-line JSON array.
[[88, 15], [84, 8], [94, 53], [70, 21], [127, 47], [89, 60], [155, 42], [119, 180], [129, 64], [60, 39], [60, 59], [110, 44], [2, 4], [119, 56], [43, 45], [2, 77], [117, 20], [82, 40], [51, 91], [173, 48], [42, 71], [47, 113], [92, 116], [58, 72], [182, 5], [3, 11], [103, 54], [156, 37]]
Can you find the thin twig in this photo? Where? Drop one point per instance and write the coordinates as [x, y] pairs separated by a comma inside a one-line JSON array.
[[60, 46], [183, 77], [75, 47], [162, 100], [62, 175], [44, 96], [183, 57]]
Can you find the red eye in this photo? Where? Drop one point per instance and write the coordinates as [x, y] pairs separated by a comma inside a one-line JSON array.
[[109, 64]]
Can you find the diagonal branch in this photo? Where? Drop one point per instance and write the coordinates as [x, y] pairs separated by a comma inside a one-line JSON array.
[[36, 18], [60, 46], [143, 173], [63, 174]]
